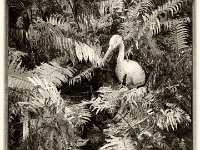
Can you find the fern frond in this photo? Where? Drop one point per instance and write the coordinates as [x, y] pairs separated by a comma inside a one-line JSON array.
[[139, 8], [122, 143], [46, 90], [102, 22], [133, 96], [17, 95], [172, 23], [51, 119], [84, 52], [107, 6], [172, 117], [87, 15], [54, 73], [17, 74], [180, 36], [18, 82], [172, 6], [81, 114], [129, 30], [132, 104], [87, 74], [153, 45], [61, 22], [152, 21], [158, 141], [99, 105], [108, 99], [49, 36], [146, 6]]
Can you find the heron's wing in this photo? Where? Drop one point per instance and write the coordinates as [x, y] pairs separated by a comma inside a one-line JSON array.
[[135, 73]]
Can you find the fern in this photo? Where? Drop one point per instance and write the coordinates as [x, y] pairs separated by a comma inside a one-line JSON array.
[[108, 5], [138, 109], [152, 22], [138, 118], [49, 36], [81, 115], [172, 23], [122, 143], [84, 52], [54, 118], [129, 30], [49, 106], [153, 45], [102, 22], [17, 74], [171, 117], [61, 22], [108, 99], [172, 6], [100, 105], [129, 104], [87, 74], [180, 36], [54, 73], [139, 8], [158, 140]]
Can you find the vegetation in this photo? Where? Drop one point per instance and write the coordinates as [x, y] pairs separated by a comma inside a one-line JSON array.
[[60, 97]]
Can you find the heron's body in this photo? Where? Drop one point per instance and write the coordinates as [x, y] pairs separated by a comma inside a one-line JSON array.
[[134, 73], [130, 70]]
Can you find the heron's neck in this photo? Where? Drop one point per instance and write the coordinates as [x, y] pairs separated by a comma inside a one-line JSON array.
[[120, 57]]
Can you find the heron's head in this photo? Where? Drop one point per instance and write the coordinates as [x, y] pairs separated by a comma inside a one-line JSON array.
[[114, 42]]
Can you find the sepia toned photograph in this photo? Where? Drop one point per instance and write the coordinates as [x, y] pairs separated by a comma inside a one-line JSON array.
[[100, 74]]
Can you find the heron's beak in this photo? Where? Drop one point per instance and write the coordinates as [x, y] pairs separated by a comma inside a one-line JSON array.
[[107, 54]]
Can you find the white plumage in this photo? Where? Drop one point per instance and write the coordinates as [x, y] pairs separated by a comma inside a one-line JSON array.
[[127, 70]]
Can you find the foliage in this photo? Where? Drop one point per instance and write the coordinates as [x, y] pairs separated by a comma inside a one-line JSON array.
[[54, 73], [119, 143], [139, 116], [59, 45], [18, 84], [55, 123]]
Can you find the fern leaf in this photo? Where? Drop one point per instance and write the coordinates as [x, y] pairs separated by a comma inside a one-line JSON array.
[[103, 22], [87, 74], [105, 6], [17, 74], [172, 117], [181, 34], [17, 95], [99, 105], [47, 103], [117, 143], [172, 6], [54, 73], [46, 90], [158, 141], [18, 82], [153, 45], [81, 114], [87, 53], [108, 100], [140, 8], [152, 21], [172, 23], [52, 36]]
